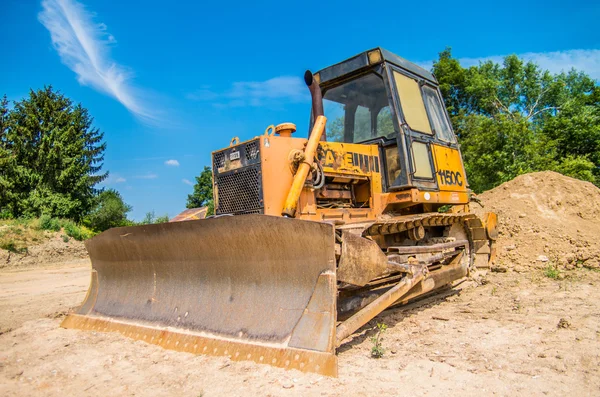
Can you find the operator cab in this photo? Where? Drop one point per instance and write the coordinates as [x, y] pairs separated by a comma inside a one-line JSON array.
[[379, 98]]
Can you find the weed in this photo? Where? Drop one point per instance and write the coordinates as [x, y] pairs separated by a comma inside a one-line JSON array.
[[12, 246], [34, 224], [551, 271], [445, 208], [79, 233], [377, 350], [65, 238], [494, 291], [48, 223]]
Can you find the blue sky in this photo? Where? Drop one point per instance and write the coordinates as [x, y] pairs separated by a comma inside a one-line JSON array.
[[169, 82]]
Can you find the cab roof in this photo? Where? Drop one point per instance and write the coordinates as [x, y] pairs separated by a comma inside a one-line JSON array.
[[361, 61]]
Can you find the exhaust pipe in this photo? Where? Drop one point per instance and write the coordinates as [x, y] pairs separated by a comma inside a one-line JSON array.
[[317, 98]]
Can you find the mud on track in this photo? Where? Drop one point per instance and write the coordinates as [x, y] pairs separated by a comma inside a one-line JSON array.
[[517, 334]]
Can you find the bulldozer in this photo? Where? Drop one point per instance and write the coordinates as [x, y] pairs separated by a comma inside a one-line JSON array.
[[312, 237]]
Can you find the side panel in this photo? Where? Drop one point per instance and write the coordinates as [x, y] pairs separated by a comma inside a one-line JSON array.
[[351, 159], [276, 172], [449, 171]]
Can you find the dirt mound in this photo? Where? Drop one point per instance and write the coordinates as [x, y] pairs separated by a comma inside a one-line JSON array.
[[545, 218], [53, 251]]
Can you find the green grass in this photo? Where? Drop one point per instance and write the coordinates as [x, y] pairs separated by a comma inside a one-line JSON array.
[[46, 222], [551, 271], [18, 234], [77, 232]]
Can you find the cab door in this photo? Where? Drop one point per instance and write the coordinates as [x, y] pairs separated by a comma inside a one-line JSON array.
[[416, 130]]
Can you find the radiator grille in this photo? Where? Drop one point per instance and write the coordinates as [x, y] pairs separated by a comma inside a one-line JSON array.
[[240, 191], [219, 160], [252, 150]]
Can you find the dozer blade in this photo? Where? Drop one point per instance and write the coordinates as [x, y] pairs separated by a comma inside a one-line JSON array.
[[250, 287]]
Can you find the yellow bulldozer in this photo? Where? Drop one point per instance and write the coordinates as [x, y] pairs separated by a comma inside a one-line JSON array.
[[312, 237]]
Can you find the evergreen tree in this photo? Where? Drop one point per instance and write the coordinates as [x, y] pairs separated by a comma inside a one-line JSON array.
[[6, 160], [57, 156]]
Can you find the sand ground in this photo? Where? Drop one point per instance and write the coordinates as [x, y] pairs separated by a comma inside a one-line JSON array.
[[512, 334]]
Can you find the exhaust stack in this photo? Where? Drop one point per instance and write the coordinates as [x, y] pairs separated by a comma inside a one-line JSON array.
[[317, 98]]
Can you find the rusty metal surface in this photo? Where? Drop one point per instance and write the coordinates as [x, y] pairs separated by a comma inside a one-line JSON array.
[[191, 214], [249, 277], [455, 270], [384, 301], [361, 260], [316, 98], [315, 328], [324, 363], [401, 223], [417, 249], [491, 225]]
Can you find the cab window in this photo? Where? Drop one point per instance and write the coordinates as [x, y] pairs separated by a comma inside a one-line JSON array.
[[423, 108], [411, 101], [437, 115], [358, 110]]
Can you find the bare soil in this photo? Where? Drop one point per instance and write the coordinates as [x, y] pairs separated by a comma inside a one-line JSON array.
[[545, 218], [53, 251], [514, 332]]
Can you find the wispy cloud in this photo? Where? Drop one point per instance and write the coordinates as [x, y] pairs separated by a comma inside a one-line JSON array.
[[146, 176], [172, 163], [587, 61], [84, 46], [255, 93], [120, 180], [187, 182]]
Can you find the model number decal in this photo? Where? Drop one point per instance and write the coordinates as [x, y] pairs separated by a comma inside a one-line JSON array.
[[349, 160], [234, 156], [448, 177]]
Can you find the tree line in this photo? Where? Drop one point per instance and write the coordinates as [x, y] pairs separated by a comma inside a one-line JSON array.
[[511, 118], [514, 118]]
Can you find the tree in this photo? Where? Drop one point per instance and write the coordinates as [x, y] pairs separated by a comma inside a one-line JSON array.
[[513, 118], [56, 157], [109, 211], [6, 160], [151, 218], [203, 192]]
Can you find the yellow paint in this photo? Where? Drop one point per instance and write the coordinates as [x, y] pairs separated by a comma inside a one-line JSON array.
[[341, 163], [449, 169], [407, 198], [339, 158]]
